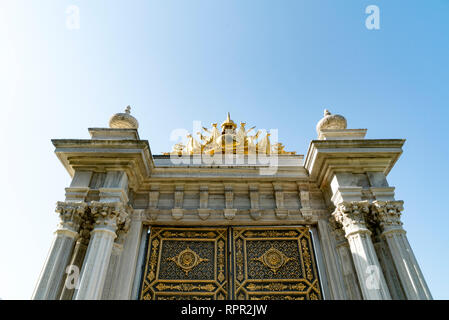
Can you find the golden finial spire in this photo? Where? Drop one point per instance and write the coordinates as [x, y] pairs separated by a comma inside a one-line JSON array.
[[228, 123]]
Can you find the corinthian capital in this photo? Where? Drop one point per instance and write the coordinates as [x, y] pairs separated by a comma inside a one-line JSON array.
[[337, 230], [71, 214], [85, 230], [111, 215], [388, 214], [351, 215]]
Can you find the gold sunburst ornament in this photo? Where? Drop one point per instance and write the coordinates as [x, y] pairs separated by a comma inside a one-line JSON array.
[[187, 260], [273, 259], [230, 139]]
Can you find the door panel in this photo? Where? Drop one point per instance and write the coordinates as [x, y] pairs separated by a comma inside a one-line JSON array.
[[265, 263], [274, 263], [187, 264]]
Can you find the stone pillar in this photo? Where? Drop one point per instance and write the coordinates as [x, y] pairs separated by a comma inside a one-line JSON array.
[[332, 263], [113, 267], [388, 214], [127, 267], [77, 260], [50, 281], [390, 273], [140, 263], [345, 261], [108, 217], [371, 279]]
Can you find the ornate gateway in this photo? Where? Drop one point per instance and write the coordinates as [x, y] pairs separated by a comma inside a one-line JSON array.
[[229, 176], [230, 263]]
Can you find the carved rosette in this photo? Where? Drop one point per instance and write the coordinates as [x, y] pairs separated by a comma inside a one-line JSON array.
[[273, 259], [110, 215], [388, 214], [351, 215], [187, 260], [71, 215]]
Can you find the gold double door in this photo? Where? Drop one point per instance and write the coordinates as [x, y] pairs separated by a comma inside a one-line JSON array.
[[244, 263]]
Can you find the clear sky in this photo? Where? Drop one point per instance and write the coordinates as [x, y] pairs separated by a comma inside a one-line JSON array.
[[273, 64]]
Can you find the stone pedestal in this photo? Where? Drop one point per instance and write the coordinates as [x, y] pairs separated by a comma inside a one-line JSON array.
[[50, 281]]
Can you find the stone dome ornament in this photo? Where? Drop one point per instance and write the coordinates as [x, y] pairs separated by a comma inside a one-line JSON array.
[[331, 121], [123, 120]]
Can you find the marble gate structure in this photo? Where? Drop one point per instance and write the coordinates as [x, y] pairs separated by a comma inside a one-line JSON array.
[[230, 215]]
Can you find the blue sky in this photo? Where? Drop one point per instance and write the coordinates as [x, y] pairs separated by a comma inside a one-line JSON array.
[[273, 64]]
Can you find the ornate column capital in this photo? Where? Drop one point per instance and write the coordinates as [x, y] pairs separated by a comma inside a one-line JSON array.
[[336, 229], [351, 215], [388, 215], [86, 228], [71, 215], [111, 216]]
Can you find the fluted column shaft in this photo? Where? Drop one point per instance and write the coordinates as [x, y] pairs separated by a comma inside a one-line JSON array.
[[79, 252], [108, 217], [50, 280], [388, 213], [128, 262], [371, 279], [348, 272], [330, 256]]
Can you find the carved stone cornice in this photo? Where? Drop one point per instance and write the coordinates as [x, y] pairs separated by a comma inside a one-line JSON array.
[[351, 215], [110, 215], [388, 215], [71, 215]]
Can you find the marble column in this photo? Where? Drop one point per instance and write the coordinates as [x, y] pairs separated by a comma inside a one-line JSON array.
[[388, 214], [108, 217], [332, 266], [140, 263], [50, 281], [345, 262], [112, 273], [371, 279], [77, 259], [124, 272]]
